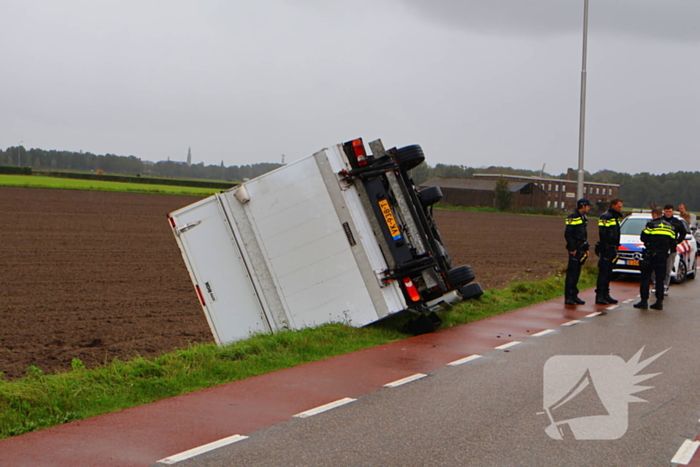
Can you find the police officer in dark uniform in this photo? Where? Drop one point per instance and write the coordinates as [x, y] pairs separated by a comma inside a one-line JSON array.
[[659, 239], [609, 231], [681, 232], [577, 245]]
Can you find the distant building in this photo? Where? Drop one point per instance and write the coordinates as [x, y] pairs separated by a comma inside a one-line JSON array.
[[471, 192], [561, 194]]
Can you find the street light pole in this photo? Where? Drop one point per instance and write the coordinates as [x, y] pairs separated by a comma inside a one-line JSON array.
[[582, 116]]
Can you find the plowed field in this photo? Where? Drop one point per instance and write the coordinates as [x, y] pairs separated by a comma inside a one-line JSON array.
[[98, 275]]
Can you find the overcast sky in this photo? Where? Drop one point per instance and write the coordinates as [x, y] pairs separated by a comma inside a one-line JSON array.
[[475, 82]]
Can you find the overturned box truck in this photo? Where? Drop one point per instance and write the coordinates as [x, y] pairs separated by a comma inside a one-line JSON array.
[[339, 236]]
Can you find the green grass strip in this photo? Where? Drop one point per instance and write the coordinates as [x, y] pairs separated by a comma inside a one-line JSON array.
[[41, 401], [37, 181]]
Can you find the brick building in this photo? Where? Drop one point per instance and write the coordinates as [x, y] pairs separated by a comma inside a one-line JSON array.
[[471, 192], [561, 194]]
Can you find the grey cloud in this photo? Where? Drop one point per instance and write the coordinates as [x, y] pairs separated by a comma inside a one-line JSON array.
[[667, 19]]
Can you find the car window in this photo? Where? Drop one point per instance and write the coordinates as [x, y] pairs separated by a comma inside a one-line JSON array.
[[633, 226]]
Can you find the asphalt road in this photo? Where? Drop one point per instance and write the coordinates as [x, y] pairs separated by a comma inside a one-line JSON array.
[[491, 411]]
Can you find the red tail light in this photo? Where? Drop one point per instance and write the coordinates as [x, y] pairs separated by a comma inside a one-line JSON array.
[[201, 297], [359, 149], [411, 289]]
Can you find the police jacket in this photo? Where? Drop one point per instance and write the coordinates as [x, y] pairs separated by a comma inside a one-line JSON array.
[[659, 237], [678, 226], [575, 233], [609, 229]]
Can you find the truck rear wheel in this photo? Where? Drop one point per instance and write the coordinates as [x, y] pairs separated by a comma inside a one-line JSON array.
[[460, 275], [409, 157], [430, 195], [472, 290]]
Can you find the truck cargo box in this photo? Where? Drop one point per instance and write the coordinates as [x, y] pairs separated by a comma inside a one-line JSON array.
[[339, 236]]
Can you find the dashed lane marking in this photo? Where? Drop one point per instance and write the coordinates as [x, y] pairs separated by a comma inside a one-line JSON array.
[[629, 300], [201, 449], [507, 345], [571, 323], [614, 307], [593, 315], [323, 408], [686, 452], [405, 380], [543, 333], [464, 360]]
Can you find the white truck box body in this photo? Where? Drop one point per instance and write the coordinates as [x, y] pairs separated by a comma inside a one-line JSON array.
[[292, 248]]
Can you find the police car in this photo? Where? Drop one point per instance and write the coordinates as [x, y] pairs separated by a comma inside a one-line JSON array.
[[631, 246]]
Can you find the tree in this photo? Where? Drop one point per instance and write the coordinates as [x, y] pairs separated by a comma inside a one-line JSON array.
[[504, 197]]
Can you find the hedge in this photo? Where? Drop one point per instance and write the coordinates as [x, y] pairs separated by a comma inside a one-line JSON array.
[[139, 179], [15, 170]]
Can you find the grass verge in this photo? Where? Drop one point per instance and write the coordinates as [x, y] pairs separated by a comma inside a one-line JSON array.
[[41, 401], [37, 181]]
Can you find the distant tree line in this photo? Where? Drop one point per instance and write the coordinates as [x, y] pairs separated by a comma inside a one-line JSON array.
[[638, 190], [40, 159]]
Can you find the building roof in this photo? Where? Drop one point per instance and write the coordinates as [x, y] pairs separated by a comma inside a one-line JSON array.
[[542, 179], [471, 184]]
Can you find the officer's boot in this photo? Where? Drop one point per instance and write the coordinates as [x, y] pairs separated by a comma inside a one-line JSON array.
[[643, 304], [609, 299], [659, 305], [600, 298]]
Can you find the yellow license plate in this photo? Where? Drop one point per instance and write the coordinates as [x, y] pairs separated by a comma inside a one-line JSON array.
[[390, 219], [633, 262]]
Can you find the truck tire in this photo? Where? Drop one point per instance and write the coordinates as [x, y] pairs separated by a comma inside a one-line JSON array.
[[430, 195], [409, 157], [472, 290], [459, 276]]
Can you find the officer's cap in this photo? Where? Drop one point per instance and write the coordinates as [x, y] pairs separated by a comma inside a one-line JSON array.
[[583, 202]]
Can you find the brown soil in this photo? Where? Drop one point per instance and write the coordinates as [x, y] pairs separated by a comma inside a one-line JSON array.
[[98, 275]]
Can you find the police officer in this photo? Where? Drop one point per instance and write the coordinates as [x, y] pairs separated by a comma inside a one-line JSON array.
[[659, 239], [576, 237], [609, 231], [680, 232]]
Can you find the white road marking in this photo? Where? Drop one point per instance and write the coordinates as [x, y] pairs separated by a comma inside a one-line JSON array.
[[571, 323], [201, 449], [323, 408], [686, 452], [508, 345], [629, 300], [464, 360], [405, 380], [543, 333], [613, 307], [592, 315]]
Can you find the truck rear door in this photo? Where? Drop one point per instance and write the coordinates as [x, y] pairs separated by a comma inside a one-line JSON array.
[[218, 270]]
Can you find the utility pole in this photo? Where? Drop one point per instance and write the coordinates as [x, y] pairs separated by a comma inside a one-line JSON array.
[[582, 116]]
